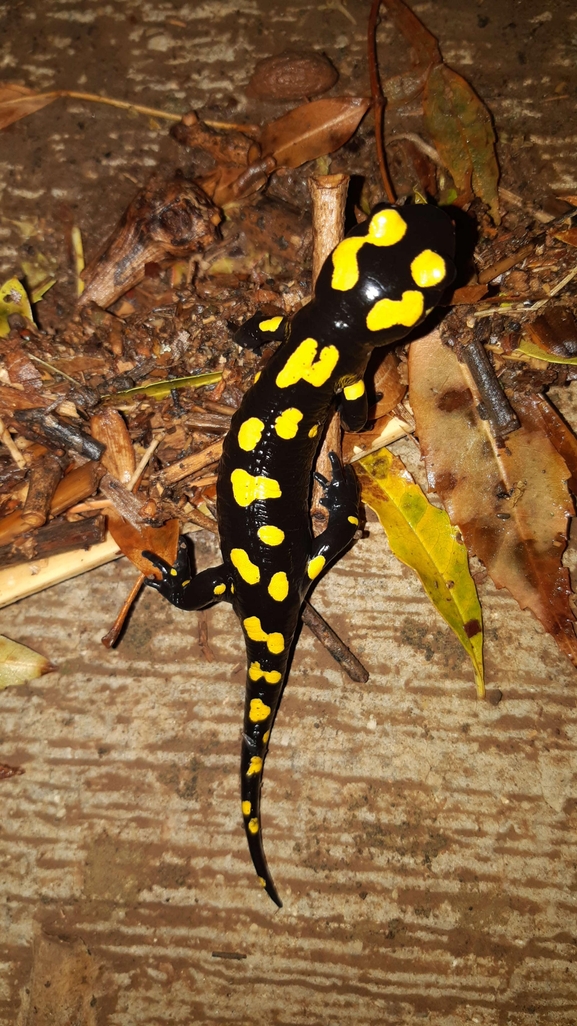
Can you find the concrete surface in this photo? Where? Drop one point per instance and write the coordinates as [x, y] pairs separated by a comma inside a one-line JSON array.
[[423, 842]]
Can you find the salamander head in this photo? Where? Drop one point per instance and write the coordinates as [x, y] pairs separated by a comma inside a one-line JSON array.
[[388, 273]]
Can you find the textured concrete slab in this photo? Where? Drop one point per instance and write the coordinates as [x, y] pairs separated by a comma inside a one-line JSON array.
[[423, 842]]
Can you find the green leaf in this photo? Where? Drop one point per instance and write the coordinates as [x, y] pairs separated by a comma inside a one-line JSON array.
[[537, 353], [19, 663], [462, 130], [423, 537], [13, 300], [160, 389]]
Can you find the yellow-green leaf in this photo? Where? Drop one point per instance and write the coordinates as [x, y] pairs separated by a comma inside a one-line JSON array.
[[462, 130], [160, 389], [423, 537], [19, 664], [537, 353], [13, 300]]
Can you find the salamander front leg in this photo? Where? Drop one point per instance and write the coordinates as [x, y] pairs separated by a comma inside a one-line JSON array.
[[353, 406], [341, 498], [184, 589], [259, 330]]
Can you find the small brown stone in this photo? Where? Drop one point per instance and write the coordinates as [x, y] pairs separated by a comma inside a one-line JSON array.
[[292, 75]]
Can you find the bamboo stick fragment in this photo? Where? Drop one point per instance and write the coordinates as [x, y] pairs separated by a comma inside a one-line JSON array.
[[7, 440], [29, 578], [79, 484], [44, 477], [190, 464]]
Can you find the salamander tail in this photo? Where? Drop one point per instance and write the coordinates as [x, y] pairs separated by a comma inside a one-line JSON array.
[[265, 677], [251, 780]]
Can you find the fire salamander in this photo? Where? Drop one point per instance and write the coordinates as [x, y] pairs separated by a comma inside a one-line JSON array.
[[378, 283]]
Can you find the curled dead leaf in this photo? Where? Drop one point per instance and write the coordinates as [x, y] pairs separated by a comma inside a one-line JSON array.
[[313, 129]]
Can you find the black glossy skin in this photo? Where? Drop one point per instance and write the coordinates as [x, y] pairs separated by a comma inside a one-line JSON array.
[[336, 320]]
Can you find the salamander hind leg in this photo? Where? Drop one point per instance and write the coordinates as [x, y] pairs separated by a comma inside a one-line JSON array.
[[182, 587], [341, 498]]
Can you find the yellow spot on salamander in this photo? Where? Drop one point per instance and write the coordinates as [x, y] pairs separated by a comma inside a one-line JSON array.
[[386, 228], [246, 488], [278, 588], [287, 423], [258, 711], [265, 738], [274, 642], [387, 313], [314, 431], [271, 324], [250, 433], [262, 881], [247, 570], [246, 808], [185, 584], [353, 520], [270, 535], [271, 676], [253, 826], [315, 566], [173, 572], [256, 377], [428, 268], [255, 766], [354, 391], [220, 589], [302, 365]]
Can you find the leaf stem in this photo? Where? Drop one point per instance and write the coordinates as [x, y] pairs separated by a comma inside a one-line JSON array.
[[378, 101], [137, 107]]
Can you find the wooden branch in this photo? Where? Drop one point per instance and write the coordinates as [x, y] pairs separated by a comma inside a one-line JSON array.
[[329, 193], [67, 436], [333, 644], [57, 537]]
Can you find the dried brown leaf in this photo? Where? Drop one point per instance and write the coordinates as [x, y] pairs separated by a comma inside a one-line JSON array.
[[389, 387], [561, 436], [511, 503], [133, 541], [462, 131], [313, 129], [422, 42], [17, 102]]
